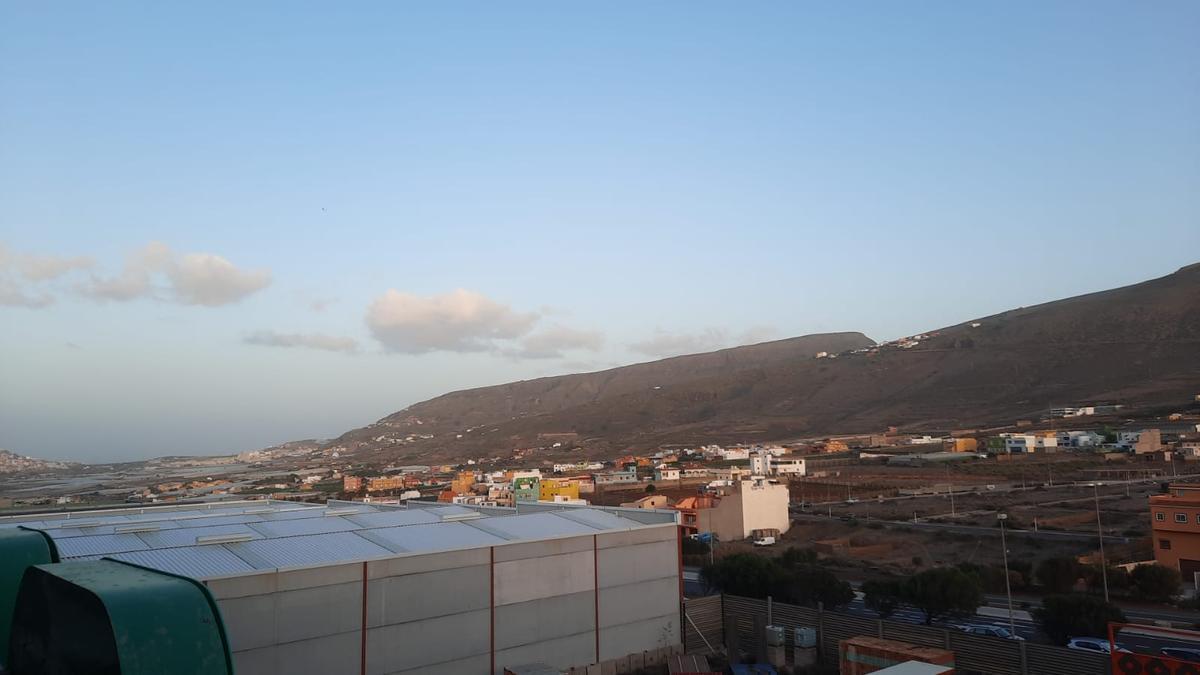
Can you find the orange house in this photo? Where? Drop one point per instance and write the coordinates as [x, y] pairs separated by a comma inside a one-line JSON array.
[[1175, 521]]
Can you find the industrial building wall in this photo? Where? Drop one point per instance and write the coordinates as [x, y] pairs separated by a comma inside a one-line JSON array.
[[450, 612], [638, 590], [300, 621]]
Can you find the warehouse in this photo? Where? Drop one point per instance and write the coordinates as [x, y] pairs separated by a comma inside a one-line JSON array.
[[347, 587]]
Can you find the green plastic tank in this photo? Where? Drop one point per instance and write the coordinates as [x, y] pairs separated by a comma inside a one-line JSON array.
[[106, 617], [19, 549]]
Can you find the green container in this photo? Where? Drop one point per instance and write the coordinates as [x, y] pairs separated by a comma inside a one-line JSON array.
[[109, 617], [19, 549]]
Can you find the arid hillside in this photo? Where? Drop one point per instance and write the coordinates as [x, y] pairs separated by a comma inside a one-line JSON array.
[[1138, 345]]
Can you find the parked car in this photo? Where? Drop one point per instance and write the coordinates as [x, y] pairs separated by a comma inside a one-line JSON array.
[[991, 631], [1182, 653], [764, 541], [1092, 645]]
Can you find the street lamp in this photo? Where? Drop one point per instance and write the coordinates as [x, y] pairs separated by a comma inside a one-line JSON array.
[[1100, 532], [1012, 626]]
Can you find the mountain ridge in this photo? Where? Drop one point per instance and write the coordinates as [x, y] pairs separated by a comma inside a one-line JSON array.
[[1138, 344]]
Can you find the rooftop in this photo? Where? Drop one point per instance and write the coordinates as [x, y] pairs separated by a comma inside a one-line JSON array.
[[219, 539]]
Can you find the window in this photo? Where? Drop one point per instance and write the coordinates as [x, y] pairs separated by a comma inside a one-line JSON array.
[[1164, 544], [1160, 516], [1181, 517]]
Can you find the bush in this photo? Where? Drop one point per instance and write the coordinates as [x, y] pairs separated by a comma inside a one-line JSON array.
[[883, 596], [1062, 617], [1058, 575], [756, 576], [1156, 582]]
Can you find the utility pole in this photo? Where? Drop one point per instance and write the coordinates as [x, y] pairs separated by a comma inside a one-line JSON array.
[[1012, 626], [950, 489], [1100, 531]]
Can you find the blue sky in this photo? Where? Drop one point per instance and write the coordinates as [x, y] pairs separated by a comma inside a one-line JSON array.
[[228, 225]]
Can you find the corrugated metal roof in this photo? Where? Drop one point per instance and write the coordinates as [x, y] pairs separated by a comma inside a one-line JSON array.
[[313, 513], [307, 550], [186, 536], [432, 537], [293, 528], [289, 535], [392, 518], [532, 526], [99, 544], [451, 510], [601, 520], [198, 562], [68, 532]]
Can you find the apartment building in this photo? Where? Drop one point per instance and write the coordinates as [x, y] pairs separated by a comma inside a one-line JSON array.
[[1175, 522]]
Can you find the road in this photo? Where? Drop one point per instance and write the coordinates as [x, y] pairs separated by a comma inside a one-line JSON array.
[[995, 613]]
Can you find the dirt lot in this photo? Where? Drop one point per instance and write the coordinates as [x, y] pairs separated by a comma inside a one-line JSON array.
[[1034, 492]]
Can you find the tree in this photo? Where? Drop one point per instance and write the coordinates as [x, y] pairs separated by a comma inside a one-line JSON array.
[[795, 556], [1156, 582], [810, 584], [650, 489], [1062, 617], [1058, 575], [695, 546], [883, 596], [743, 574], [942, 591]]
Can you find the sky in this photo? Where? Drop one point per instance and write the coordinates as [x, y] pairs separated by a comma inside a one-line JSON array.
[[228, 225]]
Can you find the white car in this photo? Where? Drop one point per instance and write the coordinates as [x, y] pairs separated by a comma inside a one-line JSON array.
[[765, 541], [1093, 645], [991, 631]]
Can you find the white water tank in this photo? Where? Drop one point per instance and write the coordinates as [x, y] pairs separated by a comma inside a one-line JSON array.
[[775, 636], [806, 637]]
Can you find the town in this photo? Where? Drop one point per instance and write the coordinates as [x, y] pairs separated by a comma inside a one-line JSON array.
[[1086, 499]]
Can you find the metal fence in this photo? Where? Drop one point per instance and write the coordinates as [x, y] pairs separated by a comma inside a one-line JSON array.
[[705, 620]]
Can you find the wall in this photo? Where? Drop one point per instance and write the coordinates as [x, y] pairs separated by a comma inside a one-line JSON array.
[[1184, 538], [753, 507], [449, 612]]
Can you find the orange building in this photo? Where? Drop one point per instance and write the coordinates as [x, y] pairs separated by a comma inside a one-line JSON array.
[[352, 483], [463, 482], [689, 509], [1175, 520], [385, 483]]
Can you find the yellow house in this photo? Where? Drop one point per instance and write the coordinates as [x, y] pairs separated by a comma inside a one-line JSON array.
[[962, 445], [551, 488]]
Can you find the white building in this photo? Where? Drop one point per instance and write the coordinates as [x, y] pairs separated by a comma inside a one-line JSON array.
[[790, 467], [1014, 443], [348, 588], [1080, 439], [664, 472], [760, 464]]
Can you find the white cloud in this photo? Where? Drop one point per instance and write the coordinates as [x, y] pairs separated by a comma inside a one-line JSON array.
[[331, 343], [13, 295], [20, 271], [459, 321], [664, 344], [47, 267], [552, 342], [210, 280], [193, 279]]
